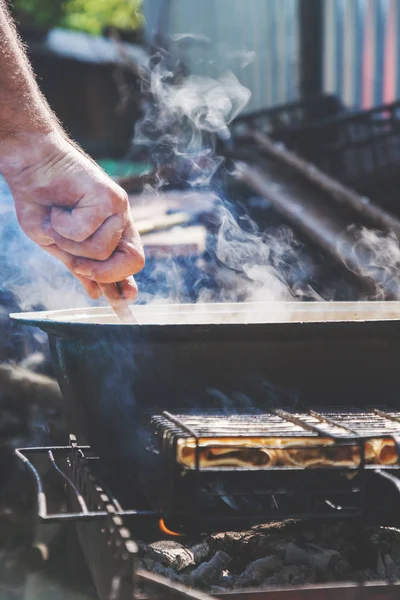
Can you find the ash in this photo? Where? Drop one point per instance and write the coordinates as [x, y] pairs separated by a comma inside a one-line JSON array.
[[289, 553]]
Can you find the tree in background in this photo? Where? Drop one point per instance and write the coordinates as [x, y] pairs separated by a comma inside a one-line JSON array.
[[91, 16]]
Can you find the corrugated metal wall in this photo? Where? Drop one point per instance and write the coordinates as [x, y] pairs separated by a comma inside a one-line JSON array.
[[260, 32], [361, 45]]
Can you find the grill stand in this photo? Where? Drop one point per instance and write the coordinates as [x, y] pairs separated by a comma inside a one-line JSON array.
[[111, 554], [108, 548]]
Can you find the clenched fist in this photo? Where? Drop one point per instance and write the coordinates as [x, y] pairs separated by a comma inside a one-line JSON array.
[[73, 210]]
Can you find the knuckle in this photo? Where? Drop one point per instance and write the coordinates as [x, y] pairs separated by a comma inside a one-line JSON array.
[[138, 259], [119, 199], [134, 286]]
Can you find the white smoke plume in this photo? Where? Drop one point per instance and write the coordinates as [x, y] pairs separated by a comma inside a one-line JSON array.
[[375, 255], [183, 114], [183, 117], [250, 253], [33, 277]]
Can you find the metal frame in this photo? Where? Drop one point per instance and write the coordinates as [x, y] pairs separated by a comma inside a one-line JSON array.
[[75, 454], [315, 486], [323, 491]]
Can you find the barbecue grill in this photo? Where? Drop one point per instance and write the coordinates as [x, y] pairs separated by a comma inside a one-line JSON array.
[[203, 496], [106, 528], [323, 467]]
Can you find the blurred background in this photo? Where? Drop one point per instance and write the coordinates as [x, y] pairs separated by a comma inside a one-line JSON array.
[[352, 48]]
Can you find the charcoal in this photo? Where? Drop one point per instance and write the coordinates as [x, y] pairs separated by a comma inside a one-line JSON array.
[[390, 567], [380, 567], [311, 555], [208, 573], [260, 569], [155, 567], [290, 575]]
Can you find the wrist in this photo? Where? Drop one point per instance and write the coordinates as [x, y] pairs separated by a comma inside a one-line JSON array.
[[23, 150]]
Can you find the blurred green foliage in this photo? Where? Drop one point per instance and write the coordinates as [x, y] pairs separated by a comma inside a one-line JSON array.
[[85, 15], [93, 15], [38, 13]]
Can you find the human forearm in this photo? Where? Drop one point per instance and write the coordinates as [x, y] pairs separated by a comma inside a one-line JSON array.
[[64, 201], [23, 109]]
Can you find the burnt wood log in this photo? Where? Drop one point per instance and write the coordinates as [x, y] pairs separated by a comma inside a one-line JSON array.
[[175, 555], [311, 555], [135, 184]]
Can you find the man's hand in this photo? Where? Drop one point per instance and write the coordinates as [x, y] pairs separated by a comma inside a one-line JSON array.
[[73, 210], [64, 201]]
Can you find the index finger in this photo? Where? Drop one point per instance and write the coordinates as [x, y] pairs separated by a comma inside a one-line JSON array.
[[89, 213]]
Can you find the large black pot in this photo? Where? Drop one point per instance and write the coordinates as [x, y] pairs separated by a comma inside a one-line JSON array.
[[217, 355]]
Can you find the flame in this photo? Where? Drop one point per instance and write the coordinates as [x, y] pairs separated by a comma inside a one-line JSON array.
[[165, 529]]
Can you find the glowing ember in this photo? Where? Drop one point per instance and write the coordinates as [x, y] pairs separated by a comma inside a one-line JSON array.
[[165, 529]]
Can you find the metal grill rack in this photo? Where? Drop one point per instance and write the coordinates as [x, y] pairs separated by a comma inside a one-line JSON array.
[[344, 427], [207, 497], [277, 492]]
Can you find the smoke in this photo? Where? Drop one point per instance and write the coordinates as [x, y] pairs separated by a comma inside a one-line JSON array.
[[34, 278], [195, 37], [249, 253], [375, 255], [182, 116], [182, 119], [30, 279]]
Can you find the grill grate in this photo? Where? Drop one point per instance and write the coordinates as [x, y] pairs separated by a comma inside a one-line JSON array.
[[192, 496], [352, 425], [320, 469]]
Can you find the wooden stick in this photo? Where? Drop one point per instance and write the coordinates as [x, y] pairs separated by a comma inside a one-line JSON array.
[[113, 293], [145, 226]]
